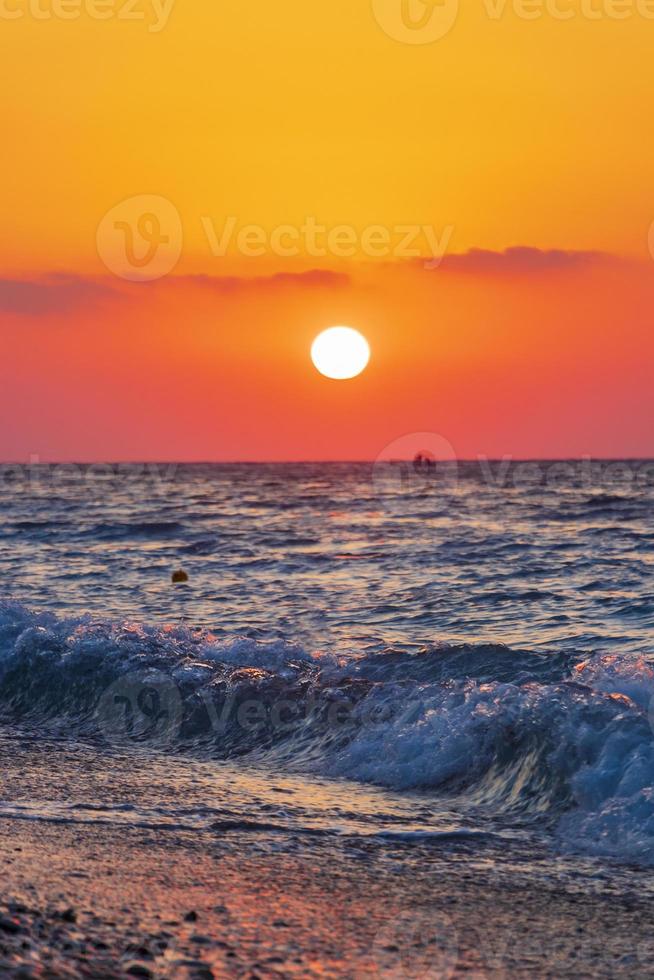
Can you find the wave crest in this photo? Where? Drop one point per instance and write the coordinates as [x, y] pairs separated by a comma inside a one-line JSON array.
[[560, 739]]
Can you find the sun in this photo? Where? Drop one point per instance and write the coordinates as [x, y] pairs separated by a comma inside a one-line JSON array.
[[340, 353]]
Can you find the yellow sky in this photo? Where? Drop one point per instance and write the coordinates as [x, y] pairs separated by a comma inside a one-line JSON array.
[[511, 131]]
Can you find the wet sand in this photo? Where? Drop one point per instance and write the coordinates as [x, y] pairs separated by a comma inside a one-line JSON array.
[[98, 901], [113, 890]]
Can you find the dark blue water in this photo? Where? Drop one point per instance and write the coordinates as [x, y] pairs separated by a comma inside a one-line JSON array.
[[351, 558], [481, 633]]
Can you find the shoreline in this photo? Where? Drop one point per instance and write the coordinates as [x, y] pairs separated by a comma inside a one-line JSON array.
[[107, 901], [106, 875]]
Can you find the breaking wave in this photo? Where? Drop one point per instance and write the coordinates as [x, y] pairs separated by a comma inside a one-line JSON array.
[[563, 739]]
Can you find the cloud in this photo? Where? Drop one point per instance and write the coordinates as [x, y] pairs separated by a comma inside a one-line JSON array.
[[51, 294], [54, 294], [58, 293], [521, 259], [312, 279]]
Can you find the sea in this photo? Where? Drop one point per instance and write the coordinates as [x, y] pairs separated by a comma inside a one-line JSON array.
[[408, 650]]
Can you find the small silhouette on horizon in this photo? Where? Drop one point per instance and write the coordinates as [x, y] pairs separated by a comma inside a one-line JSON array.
[[423, 461]]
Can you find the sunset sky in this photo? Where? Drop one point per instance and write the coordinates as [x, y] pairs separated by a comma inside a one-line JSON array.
[[523, 146]]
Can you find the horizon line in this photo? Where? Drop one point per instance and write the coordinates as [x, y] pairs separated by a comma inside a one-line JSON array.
[[318, 462]]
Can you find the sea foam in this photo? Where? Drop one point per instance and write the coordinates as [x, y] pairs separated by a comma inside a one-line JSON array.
[[562, 741]]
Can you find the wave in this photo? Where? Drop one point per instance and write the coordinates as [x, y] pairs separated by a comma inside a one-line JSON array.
[[124, 531], [562, 740]]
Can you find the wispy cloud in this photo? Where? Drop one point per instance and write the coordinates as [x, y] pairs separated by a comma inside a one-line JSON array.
[[310, 279], [520, 259], [51, 294], [56, 294]]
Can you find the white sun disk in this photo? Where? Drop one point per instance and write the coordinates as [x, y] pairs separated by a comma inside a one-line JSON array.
[[340, 353]]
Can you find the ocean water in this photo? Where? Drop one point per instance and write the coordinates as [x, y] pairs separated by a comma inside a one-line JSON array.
[[443, 649]]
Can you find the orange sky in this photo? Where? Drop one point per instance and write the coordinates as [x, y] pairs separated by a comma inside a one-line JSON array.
[[506, 133]]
